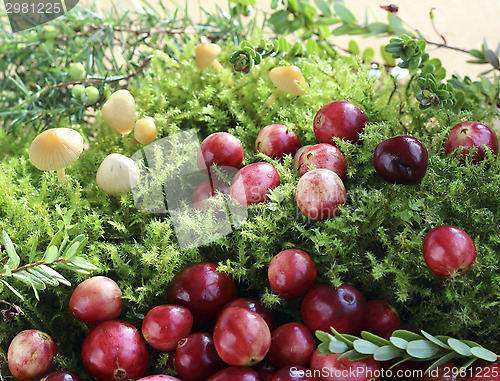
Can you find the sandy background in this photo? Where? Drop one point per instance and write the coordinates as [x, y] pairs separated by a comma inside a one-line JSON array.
[[464, 23]]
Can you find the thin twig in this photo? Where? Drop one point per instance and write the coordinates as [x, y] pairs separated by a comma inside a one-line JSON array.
[[32, 265]]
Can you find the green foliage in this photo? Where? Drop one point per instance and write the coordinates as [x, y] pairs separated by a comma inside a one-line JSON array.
[[405, 345]]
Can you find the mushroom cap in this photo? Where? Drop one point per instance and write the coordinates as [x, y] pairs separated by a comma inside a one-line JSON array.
[[145, 130], [119, 111], [56, 148], [117, 174], [205, 53], [287, 79]]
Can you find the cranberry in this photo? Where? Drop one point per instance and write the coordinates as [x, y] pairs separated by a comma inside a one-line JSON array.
[[253, 183], [470, 135], [241, 337], [291, 344], [61, 375], [448, 251], [163, 326], [159, 377], [401, 159], [266, 372], [207, 189], [325, 156], [319, 193], [294, 373], [339, 119], [291, 273], [202, 289], [333, 369], [445, 372], [255, 306], [295, 163], [235, 373], [342, 308], [380, 318], [30, 354], [221, 149], [115, 350], [196, 358], [95, 300], [276, 141]]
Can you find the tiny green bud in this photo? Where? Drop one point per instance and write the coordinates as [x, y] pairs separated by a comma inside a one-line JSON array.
[[32, 36], [77, 71], [78, 91], [90, 96], [48, 32]]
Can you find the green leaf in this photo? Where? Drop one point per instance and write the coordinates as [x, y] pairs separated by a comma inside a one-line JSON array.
[[12, 289], [368, 55], [407, 335], [354, 47], [353, 355], [396, 24], [323, 7], [311, 47], [477, 54], [421, 349], [492, 58], [393, 47], [380, 341], [51, 254], [54, 274], [323, 336], [344, 13], [435, 340], [56, 239], [386, 353], [365, 347], [336, 346], [484, 354], [14, 259], [387, 57], [378, 27], [459, 347], [399, 342], [278, 17], [71, 251], [324, 348], [33, 243], [43, 276], [347, 339], [441, 361]]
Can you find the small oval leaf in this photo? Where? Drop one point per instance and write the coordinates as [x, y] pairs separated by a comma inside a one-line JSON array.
[[421, 349], [365, 347], [399, 342], [435, 340], [484, 354], [386, 353], [459, 347], [51, 254], [407, 335], [337, 346]]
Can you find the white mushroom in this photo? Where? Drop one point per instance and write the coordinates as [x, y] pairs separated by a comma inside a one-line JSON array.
[[119, 112], [117, 174]]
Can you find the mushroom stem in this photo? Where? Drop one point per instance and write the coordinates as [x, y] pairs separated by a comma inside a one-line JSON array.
[[216, 64], [270, 101], [61, 176], [133, 143]]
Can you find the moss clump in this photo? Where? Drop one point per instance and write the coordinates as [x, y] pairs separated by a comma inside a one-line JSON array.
[[375, 243]]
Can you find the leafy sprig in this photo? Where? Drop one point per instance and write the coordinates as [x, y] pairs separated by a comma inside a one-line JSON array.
[[38, 274], [404, 345]]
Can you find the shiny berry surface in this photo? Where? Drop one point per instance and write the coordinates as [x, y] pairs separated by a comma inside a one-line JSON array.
[[221, 149], [252, 183], [448, 251], [291, 344], [325, 156], [276, 141], [401, 160], [235, 373], [61, 375], [254, 305], [380, 318], [202, 289], [339, 119]]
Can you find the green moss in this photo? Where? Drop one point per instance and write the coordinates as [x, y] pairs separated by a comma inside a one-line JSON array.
[[375, 243]]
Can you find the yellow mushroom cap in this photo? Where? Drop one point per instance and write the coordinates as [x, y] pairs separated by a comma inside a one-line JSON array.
[[205, 54], [119, 111], [145, 130], [117, 174], [56, 149], [288, 79]]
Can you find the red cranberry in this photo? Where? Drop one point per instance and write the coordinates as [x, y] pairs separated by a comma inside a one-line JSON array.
[[115, 350], [61, 375], [291, 273], [235, 373], [295, 163], [276, 141], [266, 372], [342, 308], [95, 300], [319, 194], [401, 160], [30, 354], [159, 377], [325, 156], [339, 119], [291, 344], [221, 149], [241, 337], [196, 358], [202, 289], [448, 251], [255, 306], [207, 189], [470, 135], [333, 369], [163, 326], [253, 183], [380, 318]]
